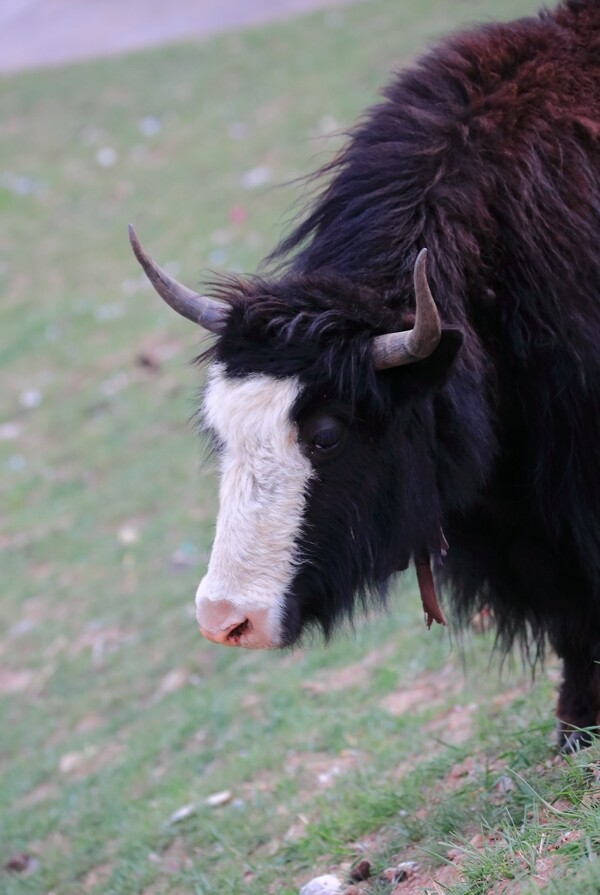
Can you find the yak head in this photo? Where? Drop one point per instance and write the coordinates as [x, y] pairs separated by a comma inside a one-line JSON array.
[[323, 421]]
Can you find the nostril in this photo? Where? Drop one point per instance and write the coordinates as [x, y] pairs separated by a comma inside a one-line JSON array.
[[238, 631]]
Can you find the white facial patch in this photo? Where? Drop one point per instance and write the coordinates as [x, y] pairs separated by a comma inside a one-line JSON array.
[[264, 477]]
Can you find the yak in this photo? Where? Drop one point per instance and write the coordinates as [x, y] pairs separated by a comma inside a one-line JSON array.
[[416, 378]]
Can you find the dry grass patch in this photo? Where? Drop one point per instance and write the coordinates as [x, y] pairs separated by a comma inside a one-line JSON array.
[[357, 674], [427, 690]]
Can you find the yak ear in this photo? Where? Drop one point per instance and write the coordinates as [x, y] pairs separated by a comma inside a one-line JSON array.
[[430, 374]]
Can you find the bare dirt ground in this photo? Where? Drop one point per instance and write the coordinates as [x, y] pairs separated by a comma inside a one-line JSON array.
[[37, 33]]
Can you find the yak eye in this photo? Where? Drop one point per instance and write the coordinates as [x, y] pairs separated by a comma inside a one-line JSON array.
[[327, 438], [322, 434]]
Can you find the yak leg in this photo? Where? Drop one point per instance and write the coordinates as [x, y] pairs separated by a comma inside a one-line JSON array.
[[578, 700]]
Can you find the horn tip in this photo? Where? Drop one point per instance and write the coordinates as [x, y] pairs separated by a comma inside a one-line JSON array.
[[136, 245]]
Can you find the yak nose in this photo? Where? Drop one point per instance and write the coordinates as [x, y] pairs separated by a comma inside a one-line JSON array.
[[223, 622], [231, 637]]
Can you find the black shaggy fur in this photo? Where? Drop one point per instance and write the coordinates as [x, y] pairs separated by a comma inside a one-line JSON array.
[[487, 152]]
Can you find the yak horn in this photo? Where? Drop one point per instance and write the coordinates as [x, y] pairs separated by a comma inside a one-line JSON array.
[[207, 312], [410, 346]]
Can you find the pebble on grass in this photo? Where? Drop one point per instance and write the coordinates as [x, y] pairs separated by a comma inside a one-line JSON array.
[[400, 873], [182, 813], [322, 885], [361, 872], [21, 863], [219, 798]]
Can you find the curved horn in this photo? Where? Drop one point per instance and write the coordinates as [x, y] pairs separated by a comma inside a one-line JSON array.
[[207, 312], [399, 349]]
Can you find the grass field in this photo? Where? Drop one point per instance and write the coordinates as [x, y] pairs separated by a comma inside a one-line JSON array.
[[119, 726]]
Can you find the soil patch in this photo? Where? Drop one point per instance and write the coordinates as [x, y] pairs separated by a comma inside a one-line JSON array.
[[426, 690], [354, 675]]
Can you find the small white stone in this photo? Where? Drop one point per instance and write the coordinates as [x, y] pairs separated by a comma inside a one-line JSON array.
[[401, 872], [71, 761], [10, 431], [219, 798], [322, 885], [20, 184], [128, 534], [182, 813], [255, 177], [106, 157], [149, 126], [172, 681], [30, 398]]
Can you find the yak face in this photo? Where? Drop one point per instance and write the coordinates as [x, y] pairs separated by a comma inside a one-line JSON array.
[[320, 406], [264, 481], [327, 483]]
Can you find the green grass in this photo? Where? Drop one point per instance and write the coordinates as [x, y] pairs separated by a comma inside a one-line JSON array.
[[114, 713]]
